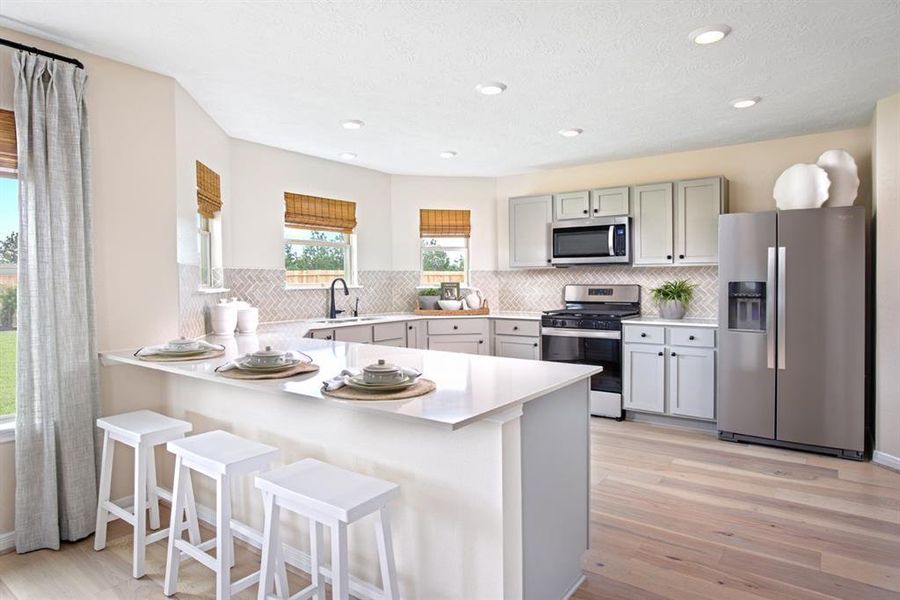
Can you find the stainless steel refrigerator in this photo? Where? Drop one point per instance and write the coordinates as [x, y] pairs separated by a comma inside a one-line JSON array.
[[792, 329]]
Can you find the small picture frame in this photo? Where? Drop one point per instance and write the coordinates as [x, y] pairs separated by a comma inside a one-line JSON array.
[[450, 290]]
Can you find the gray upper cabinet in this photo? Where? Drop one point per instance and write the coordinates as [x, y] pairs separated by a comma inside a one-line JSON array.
[[698, 204], [653, 224], [529, 231], [610, 202], [571, 205]]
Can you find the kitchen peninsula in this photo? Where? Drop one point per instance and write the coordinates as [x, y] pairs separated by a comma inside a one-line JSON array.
[[493, 466]]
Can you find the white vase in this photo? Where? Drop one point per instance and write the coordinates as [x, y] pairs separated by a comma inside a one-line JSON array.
[[801, 186], [671, 309], [224, 319], [247, 319]]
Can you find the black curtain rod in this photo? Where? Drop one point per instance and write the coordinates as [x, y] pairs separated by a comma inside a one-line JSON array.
[[34, 50]]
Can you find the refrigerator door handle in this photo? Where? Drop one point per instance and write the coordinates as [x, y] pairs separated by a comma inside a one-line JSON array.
[[770, 309], [781, 325]]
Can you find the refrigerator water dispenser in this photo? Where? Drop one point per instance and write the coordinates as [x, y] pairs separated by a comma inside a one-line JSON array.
[[747, 306]]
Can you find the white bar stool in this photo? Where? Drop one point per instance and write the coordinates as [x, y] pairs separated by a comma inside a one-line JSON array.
[[143, 430], [221, 456], [326, 495]]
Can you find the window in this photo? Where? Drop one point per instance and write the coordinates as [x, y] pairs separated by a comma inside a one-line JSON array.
[[444, 249], [313, 257], [319, 240], [9, 254], [209, 227], [444, 259]]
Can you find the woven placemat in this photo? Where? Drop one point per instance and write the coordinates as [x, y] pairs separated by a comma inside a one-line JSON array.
[[163, 358], [419, 388], [302, 368]]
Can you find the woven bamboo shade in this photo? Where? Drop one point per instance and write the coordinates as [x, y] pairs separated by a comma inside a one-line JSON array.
[[312, 212], [209, 191], [9, 158], [444, 223]]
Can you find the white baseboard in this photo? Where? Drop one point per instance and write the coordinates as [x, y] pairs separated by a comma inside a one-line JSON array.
[[7, 541], [885, 459], [574, 587], [293, 557]]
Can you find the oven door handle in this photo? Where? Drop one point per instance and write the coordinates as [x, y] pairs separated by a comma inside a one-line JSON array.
[[581, 333]]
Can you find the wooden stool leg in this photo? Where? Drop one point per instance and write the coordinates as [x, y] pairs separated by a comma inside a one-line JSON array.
[[173, 558], [386, 554], [340, 579], [152, 495], [316, 534], [223, 538], [140, 511], [267, 565], [190, 509], [105, 480]]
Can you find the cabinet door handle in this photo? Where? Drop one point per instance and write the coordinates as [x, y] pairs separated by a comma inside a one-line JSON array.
[[660, 354], [596, 210], [668, 257], [681, 256], [690, 337], [673, 354], [549, 261], [584, 211], [410, 327], [643, 335], [480, 341], [456, 327], [327, 337], [535, 345], [515, 327]]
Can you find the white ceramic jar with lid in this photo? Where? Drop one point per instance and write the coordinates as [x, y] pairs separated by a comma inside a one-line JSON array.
[[247, 319], [224, 318]]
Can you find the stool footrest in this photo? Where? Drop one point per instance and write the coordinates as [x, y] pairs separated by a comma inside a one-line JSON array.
[[118, 512], [197, 553], [154, 537], [245, 582], [304, 594]]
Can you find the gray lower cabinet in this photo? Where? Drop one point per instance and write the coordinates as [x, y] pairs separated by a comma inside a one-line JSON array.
[[692, 381], [361, 334], [529, 231], [676, 378], [512, 346], [321, 334], [644, 377]]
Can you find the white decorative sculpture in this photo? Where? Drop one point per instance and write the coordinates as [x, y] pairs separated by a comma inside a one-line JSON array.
[[843, 174], [801, 186]]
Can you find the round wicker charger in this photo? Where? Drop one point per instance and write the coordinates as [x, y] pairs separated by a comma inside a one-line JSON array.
[[163, 358], [300, 369], [419, 388]]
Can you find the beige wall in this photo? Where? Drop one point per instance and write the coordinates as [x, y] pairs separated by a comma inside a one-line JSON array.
[[886, 192], [260, 177], [410, 193], [751, 170]]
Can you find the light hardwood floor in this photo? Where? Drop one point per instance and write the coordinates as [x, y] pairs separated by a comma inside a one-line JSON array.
[[675, 515]]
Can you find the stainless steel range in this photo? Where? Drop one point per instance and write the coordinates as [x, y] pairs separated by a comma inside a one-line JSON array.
[[589, 331]]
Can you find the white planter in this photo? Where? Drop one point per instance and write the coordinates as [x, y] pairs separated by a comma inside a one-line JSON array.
[[671, 309]]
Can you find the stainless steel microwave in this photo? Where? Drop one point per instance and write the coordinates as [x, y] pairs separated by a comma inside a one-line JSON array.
[[590, 241]]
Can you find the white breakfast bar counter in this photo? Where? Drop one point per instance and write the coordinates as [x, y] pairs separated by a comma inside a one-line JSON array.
[[493, 466]]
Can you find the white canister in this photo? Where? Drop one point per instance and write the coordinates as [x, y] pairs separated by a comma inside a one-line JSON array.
[[247, 319], [224, 319]]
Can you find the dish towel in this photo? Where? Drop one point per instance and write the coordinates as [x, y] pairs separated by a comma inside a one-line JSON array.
[[338, 381], [291, 354], [151, 350]]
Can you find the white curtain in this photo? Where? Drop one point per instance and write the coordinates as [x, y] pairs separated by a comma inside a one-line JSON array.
[[57, 390]]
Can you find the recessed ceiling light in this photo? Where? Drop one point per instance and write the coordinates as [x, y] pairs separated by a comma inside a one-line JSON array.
[[448, 154], [491, 88], [746, 102], [571, 132], [352, 124], [710, 34], [347, 155]]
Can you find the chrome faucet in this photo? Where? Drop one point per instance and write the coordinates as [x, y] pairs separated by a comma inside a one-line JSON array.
[[333, 312]]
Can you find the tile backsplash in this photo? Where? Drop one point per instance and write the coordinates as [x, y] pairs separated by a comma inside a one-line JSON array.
[[394, 291]]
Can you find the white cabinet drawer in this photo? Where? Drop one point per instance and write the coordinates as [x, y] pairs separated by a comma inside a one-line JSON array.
[[456, 326], [697, 337], [509, 327], [644, 334], [388, 331]]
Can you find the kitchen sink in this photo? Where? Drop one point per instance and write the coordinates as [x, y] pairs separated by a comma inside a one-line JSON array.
[[347, 320]]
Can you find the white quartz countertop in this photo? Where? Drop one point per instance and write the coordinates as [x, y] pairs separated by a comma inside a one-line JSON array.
[[316, 324], [713, 323], [469, 387]]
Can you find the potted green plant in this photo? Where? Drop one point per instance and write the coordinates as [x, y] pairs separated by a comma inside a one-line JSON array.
[[672, 297], [428, 298]]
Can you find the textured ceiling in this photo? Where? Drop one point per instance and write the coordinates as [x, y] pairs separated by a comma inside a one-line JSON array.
[[285, 73]]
